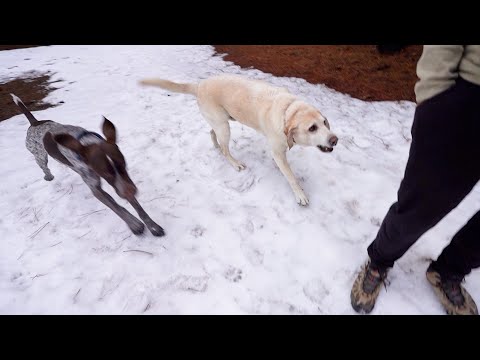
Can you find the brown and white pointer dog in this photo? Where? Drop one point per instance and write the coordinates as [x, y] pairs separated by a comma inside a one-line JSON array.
[[92, 157]]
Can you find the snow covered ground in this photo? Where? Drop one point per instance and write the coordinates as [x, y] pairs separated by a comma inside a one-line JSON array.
[[237, 243]]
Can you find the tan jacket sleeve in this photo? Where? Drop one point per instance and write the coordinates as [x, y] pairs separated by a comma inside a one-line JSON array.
[[437, 70]]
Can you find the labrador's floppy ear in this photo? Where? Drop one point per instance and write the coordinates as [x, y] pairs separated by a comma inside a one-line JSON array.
[[290, 123], [290, 132]]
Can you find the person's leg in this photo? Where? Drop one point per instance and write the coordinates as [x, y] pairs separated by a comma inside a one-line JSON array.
[[463, 253], [439, 172], [455, 262], [438, 176]]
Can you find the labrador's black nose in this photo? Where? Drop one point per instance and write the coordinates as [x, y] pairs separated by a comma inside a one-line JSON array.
[[333, 140]]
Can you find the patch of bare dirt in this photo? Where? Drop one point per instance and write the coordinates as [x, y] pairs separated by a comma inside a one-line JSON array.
[[31, 87], [358, 70], [12, 47]]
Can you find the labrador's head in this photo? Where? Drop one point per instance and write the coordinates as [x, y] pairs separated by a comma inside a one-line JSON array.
[[306, 126]]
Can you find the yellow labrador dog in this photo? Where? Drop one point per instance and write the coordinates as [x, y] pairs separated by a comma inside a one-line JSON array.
[[284, 119]]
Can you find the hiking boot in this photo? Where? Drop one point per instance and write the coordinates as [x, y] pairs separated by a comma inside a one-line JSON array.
[[452, 295], [366, 288]]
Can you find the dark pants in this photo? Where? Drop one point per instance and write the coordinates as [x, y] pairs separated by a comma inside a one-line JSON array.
[[442, 169]]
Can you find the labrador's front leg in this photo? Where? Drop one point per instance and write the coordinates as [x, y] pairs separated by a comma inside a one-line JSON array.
[[280, 157]]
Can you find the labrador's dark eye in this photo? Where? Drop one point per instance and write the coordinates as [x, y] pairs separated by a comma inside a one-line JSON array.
[[327, 124], [313, 128]]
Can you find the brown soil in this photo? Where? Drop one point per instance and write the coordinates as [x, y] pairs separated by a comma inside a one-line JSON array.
[[32, 88], [358, 70], [11, 47]]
